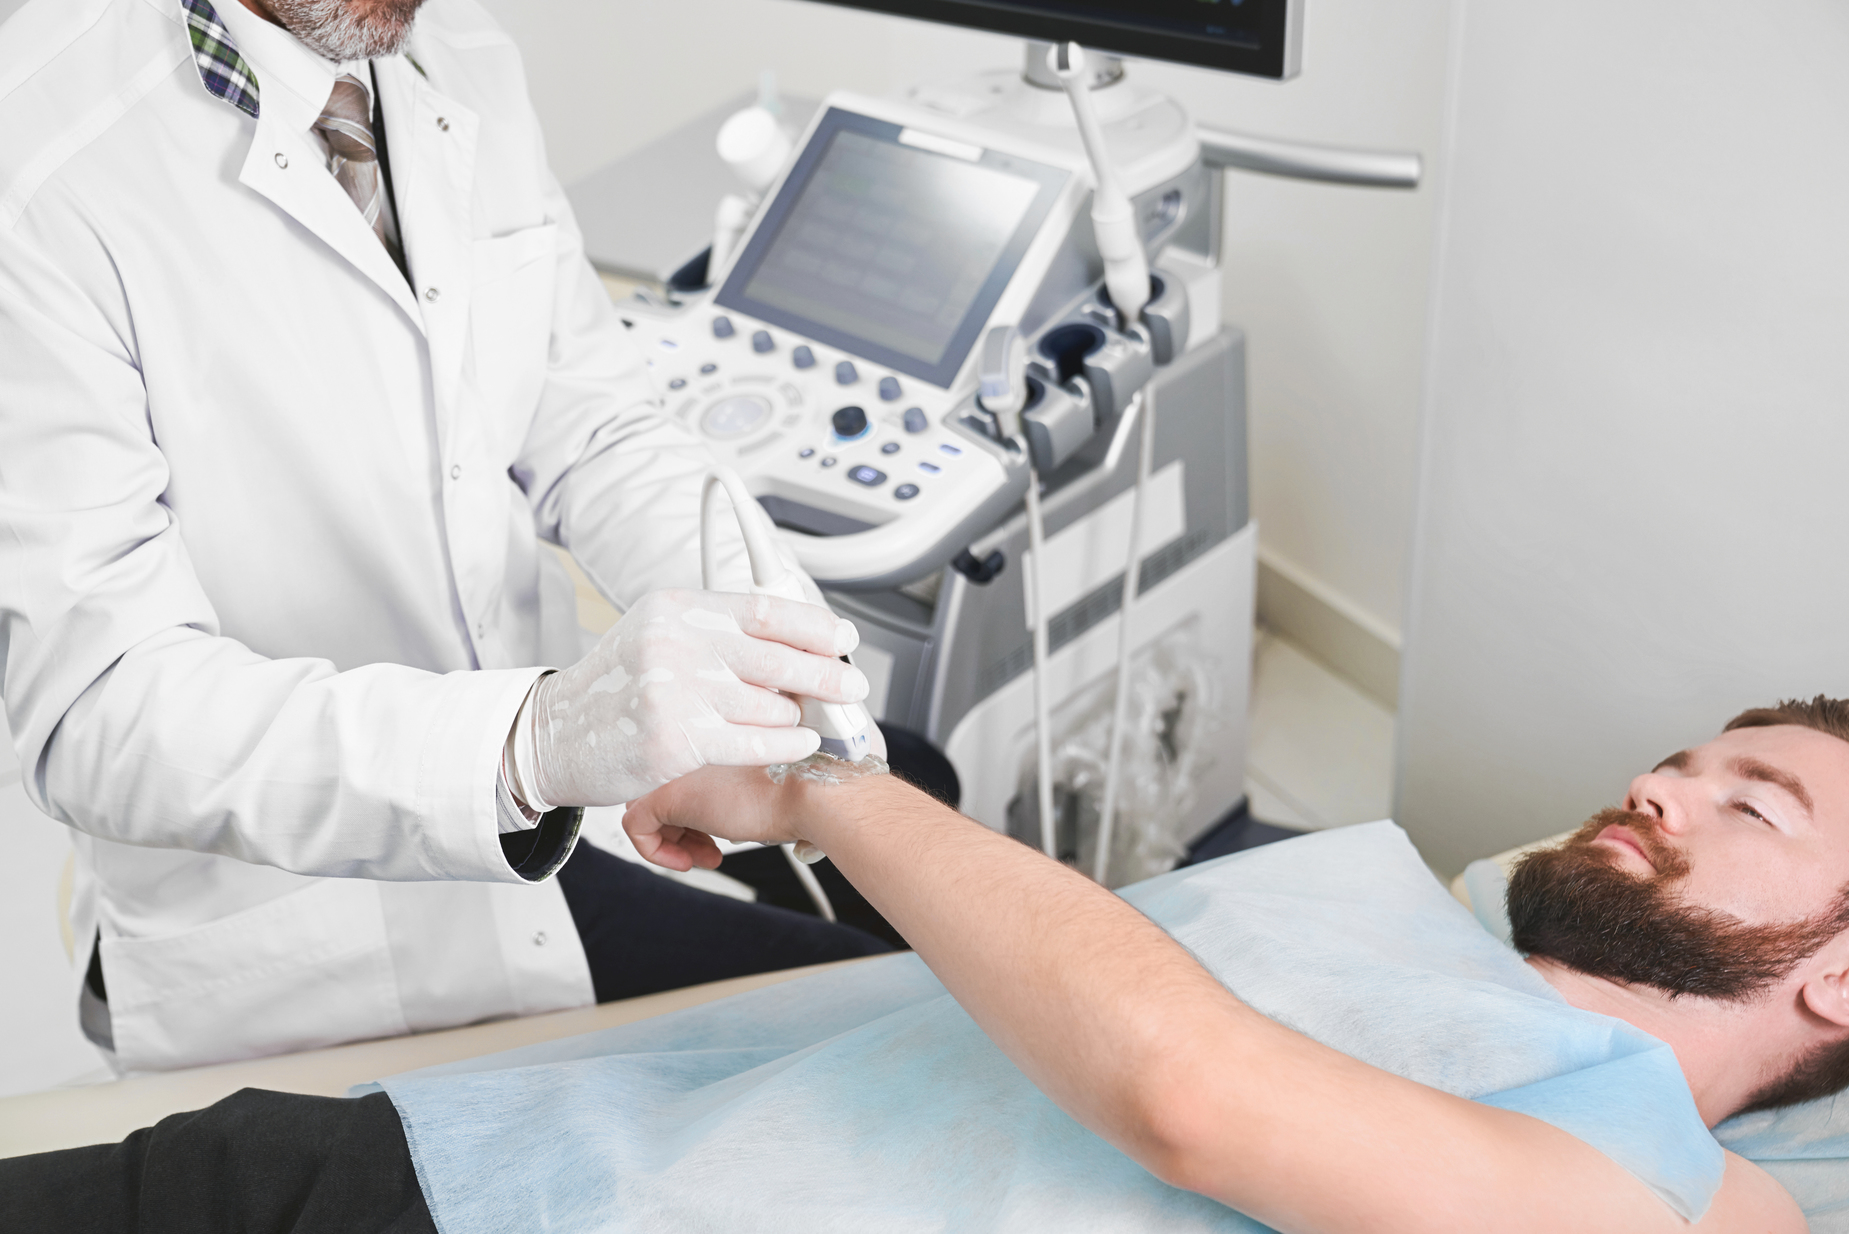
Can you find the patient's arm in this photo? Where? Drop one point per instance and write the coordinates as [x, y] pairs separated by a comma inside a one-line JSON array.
[[1126, 1032]]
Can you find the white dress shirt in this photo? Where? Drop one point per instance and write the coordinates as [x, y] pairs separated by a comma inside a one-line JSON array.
[[271, 580]]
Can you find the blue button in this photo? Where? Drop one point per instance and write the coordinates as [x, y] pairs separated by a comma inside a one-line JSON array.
[[915, 421], [869, 476], [889, 388], [709, 367], [806, 452], [679, 383], [802, 357], [723, 328], [761, 342], [930, 469], [905, 492], [846, 374], [946, 448], [829, 460], [891, 447]]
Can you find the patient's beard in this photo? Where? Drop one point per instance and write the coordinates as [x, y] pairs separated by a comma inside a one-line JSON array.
[[347, 29], [1575, 906]]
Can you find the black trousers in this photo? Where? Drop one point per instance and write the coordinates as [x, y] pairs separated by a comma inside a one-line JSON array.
[[255, 1163], [643, 933]]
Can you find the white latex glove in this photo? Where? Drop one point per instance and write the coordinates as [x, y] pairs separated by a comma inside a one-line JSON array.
[[686, 680]]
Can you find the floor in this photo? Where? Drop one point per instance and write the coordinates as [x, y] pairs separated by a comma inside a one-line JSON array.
[[1321, 750]]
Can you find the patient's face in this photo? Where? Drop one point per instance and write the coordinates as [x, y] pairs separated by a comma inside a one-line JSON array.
[[1724, 870]]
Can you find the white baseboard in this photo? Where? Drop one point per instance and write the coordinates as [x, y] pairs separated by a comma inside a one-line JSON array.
[[1329, 627]]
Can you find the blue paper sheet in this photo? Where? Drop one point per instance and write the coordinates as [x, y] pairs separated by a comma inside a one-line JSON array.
[[866, 1099]]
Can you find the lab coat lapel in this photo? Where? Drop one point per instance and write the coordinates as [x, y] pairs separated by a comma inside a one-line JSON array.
[[431, 142], [284, 167]]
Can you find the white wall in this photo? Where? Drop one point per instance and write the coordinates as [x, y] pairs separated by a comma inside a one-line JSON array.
[[1634, 507], [1329, 282]]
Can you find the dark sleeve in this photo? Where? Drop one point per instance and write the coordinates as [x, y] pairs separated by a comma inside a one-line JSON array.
[[538, 852]]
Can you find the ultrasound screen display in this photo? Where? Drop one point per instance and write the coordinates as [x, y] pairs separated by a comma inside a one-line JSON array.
[[888, 250], [1259, 37]]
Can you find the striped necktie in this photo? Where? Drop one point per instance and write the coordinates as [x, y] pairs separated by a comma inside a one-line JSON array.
[[346, 124]]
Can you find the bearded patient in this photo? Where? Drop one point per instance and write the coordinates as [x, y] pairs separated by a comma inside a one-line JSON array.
[[1310, 1036]]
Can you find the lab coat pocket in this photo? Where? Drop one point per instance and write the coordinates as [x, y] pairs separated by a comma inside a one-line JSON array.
[[308, 969], [510, 309]]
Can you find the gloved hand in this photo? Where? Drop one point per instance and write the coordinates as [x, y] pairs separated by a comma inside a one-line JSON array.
[[685, 680]]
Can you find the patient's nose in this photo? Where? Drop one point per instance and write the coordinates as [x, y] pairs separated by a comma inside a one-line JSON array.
[[1659, 797]]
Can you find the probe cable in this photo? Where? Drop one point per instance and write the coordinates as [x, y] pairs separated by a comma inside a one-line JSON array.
[[1144, 404], [1043, 728]]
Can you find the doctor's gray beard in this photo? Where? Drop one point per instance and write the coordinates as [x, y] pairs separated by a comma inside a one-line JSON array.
[[1574, 905], [348, 29]]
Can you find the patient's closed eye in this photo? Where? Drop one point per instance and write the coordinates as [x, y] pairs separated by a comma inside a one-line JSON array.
[[1743, 808]]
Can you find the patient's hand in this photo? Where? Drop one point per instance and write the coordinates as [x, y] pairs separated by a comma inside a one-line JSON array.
[[674, 825]]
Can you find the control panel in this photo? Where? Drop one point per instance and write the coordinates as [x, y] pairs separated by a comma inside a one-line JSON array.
[[834, 447]]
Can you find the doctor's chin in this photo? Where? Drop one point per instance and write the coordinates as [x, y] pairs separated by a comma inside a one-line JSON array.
[[844, 615]]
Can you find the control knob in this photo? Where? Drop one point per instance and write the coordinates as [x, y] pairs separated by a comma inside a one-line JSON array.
[[850, 421]]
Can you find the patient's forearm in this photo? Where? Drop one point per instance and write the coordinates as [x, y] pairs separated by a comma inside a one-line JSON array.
[[1085, 994]]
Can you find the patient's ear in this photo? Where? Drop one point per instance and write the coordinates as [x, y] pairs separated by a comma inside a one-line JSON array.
[[1826, 993]]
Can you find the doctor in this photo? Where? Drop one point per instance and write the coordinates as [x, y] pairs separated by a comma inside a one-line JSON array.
[[300, 358]]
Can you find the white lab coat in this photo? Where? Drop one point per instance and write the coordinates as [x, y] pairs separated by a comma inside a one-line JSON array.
[[269, 576]]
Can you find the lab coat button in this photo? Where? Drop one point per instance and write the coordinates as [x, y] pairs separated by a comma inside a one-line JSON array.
[[431, 293], [455, 473], [282, 160], [539, 938], [442, 125]]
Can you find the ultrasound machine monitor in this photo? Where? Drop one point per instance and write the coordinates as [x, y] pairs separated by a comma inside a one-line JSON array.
[[1262, 38], [891, 243]]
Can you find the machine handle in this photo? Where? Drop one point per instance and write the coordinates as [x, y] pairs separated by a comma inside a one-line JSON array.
[[1380, 169]]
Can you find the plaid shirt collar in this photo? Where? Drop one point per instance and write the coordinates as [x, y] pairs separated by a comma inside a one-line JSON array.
[[222, 70]]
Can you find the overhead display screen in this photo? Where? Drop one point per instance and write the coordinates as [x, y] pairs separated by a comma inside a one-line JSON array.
[[1259, 37], [891, 244]]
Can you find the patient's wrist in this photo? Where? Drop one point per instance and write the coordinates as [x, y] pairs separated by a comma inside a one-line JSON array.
[[841, 813]]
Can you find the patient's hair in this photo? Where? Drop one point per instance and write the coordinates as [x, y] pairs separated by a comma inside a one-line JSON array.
[[1825, 1070], [1826, 715]]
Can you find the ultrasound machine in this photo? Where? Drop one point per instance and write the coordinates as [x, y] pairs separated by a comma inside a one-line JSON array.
[[904, 339]]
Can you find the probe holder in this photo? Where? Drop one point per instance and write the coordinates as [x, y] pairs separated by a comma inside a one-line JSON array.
[[1165, 317], [1057, 421], [1112, 364]]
